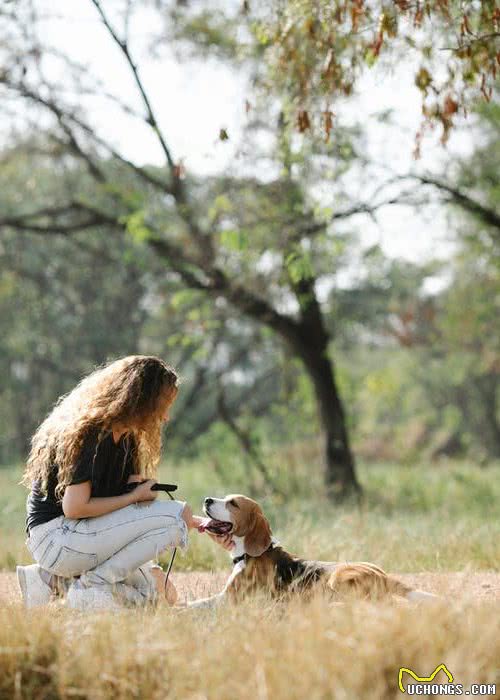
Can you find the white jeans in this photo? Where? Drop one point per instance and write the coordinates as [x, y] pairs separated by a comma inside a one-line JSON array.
[[115, 549]]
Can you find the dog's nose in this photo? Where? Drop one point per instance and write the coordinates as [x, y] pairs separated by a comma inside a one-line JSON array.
[[208, 501]]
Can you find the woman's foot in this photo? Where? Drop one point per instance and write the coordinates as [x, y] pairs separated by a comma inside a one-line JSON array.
[[91, 598], [166, 589], [38, 586], [34, 589]]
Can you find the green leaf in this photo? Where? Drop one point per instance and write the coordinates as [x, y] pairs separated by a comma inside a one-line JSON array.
[[370, 58], [136, 226], [299, 266], [234, 239], [222, 204], [182, 298]]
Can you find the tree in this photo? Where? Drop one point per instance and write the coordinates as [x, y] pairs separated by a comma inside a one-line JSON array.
[[66, 305], [449, 339], [261, 250], [317, 51], [470, 309]]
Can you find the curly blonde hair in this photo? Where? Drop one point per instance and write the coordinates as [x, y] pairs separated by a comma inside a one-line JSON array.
[[134, 392]]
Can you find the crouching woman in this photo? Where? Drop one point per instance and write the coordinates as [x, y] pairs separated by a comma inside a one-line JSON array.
[[87, 532]]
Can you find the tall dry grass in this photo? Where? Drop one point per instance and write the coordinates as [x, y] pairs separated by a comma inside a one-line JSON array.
[[257, 651]]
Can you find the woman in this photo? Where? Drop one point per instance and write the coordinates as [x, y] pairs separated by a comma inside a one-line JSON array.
[[82, 520]]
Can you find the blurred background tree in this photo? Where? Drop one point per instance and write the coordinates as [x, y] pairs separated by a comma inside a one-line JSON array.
[[255, 282]]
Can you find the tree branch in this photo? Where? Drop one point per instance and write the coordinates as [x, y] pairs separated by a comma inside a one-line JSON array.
[[195, 272], [198, 274], [242, 399], [245, 440], [487, 214], [21, 224], [360, 208], [177, 189], [63, 117], [124, 47]]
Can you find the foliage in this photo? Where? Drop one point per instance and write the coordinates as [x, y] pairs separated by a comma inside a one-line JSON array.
[[317, 51], [224, 266], [68, 307], [314, 54]]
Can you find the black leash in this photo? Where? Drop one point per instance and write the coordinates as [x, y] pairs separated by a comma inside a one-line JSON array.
[[172, 487]]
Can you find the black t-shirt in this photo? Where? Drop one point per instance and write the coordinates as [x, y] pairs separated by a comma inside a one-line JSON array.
[[106, 465]]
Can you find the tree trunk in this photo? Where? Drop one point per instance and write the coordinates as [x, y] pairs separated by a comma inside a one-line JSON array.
[[487, 387], [340, 474]]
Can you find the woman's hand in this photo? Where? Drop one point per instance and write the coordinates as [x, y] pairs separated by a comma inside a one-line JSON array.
[[143, 492], [191, 520]]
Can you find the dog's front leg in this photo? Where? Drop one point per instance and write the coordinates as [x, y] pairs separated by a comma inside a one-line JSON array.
[[212, 602], [216, 600]]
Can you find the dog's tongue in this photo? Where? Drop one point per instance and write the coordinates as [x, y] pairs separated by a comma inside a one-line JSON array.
[[204, 524], [216, 527]]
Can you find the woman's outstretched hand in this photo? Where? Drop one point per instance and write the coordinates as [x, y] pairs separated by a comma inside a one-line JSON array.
[[192, 521]]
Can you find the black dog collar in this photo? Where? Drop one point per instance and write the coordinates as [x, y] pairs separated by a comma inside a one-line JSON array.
[[247, 556]]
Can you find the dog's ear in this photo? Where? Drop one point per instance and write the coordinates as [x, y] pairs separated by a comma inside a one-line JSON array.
[[258, 536]]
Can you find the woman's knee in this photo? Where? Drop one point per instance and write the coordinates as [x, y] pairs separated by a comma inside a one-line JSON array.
[[168, 509], [172, 534]]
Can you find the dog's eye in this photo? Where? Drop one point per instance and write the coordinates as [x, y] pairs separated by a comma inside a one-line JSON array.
[[232, 502]]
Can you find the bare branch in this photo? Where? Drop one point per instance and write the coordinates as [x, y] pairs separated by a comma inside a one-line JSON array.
[[63, 117], [124, 47], [357, 209], [94, 169], [233, 406], [481, 39], [199, 381], [245, 440], [177, 189], [21, 224], [487, 214]]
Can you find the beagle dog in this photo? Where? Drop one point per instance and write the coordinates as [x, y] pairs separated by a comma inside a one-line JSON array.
[[260, 563]]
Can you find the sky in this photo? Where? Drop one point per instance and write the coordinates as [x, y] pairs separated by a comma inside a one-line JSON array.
[[193, 100]]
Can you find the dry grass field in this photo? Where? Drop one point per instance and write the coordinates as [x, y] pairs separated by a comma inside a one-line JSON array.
[[259, 650], [440, 522]]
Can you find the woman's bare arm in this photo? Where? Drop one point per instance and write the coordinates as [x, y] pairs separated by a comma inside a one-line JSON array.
[[136, 478], [78, 503]]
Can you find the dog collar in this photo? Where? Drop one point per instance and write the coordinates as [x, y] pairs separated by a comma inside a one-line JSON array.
[[245, 555]]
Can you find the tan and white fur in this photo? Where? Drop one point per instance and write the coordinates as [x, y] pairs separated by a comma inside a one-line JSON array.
[[262, 564]]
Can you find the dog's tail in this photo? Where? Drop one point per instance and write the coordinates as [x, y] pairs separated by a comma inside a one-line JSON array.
[[415, 595], [396, 587], [364, 580]]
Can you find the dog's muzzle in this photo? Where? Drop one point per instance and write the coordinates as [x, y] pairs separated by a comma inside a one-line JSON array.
[[216, 527]]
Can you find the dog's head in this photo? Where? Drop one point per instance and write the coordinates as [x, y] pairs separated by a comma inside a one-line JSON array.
[[243, 517]]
